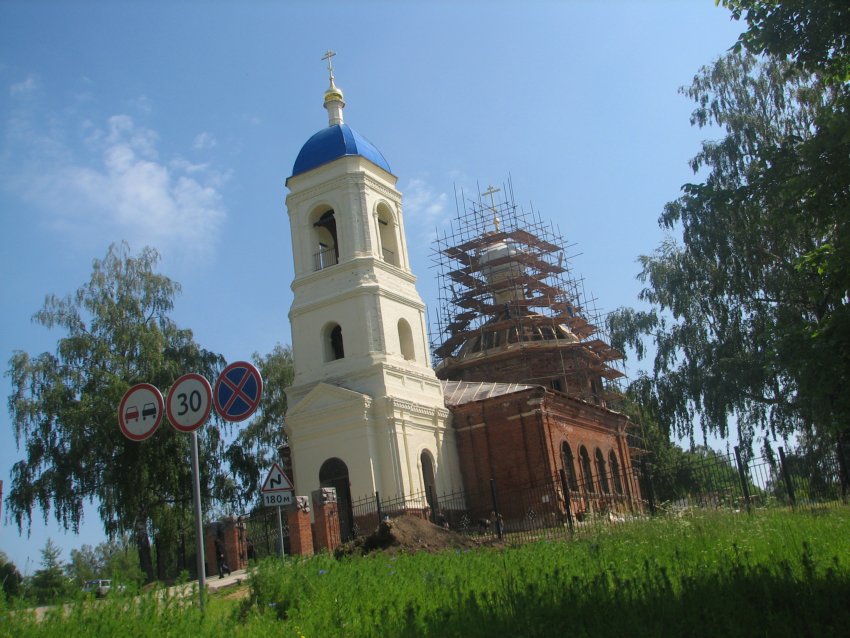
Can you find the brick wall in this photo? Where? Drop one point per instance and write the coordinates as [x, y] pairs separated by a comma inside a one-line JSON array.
[[517, 439], [231, 534]]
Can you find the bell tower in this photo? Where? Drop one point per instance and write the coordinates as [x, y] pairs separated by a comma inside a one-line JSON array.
[[366, 411]]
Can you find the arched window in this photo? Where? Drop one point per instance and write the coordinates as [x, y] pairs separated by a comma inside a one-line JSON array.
[[388, 234], [326, 248], [602, 471], [332, 342], [405, 339], [615, 472], [586, 470], [569, 466]]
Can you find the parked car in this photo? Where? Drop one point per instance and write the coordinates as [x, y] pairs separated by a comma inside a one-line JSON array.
[[99, 588]]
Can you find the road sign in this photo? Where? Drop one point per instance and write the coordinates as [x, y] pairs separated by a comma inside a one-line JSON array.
[[189, 402], [277, 498], [277, 488], [237, 391], [140, 411], [276, 481]]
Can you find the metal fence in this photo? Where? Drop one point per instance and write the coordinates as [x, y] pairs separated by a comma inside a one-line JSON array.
[[262, 534], [579, 501], [530, 512]]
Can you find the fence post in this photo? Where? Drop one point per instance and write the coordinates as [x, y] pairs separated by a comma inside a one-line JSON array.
[[378, 507], [744, 484], [566, 489], [650, 496], [789, 486], [497, 515]]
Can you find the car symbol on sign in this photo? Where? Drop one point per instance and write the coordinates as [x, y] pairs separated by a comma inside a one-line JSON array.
[[148, 410], [131, 413]]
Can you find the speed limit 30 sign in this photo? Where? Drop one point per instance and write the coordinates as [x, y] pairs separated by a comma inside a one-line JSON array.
[[189, 402]]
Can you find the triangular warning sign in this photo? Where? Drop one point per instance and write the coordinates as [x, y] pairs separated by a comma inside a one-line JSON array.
[[277, 481]]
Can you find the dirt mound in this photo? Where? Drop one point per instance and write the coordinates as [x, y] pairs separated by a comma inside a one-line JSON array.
[[407, 534]]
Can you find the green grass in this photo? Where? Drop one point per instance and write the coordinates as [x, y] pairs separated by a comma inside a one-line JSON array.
[[770, 574]]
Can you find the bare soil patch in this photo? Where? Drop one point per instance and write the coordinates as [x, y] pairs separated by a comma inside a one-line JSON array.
[[408, 534]]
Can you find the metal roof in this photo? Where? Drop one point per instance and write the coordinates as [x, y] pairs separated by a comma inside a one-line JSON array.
[[460, 392], [332, 143]]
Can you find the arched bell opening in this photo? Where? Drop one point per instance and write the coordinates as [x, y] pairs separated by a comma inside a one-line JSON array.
[[326, 248], [388, 233]]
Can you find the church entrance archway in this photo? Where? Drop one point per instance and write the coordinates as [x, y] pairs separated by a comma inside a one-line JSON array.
[[429, 481], [334, 473]]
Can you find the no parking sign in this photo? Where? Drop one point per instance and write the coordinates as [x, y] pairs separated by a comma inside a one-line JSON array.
[[237, 391]]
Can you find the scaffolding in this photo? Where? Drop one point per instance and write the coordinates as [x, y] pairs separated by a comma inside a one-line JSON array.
[[506, 291]]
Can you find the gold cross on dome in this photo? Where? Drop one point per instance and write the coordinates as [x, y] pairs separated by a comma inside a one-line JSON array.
[[327, 56], [492, 190]]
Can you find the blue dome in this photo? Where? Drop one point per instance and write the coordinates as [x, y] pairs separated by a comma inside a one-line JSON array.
[[332, 143]]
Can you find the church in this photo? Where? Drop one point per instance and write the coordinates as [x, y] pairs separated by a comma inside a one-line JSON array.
[[517, 395]]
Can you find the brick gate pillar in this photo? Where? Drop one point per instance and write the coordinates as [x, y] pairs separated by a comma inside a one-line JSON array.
[[327, 519], [300, 529]]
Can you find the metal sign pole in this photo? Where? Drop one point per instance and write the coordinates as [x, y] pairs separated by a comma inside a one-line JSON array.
[[280, 531], [199, 524]]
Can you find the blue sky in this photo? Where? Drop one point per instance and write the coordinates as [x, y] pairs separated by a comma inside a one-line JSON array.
[[176, 125]]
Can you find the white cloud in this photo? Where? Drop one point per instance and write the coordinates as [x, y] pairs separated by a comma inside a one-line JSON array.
[[204, 141], [113, 185], [424, 206], [141, 104], [28, 85], [184, 165]]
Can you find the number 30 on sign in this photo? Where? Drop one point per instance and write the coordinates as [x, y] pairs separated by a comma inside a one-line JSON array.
[[189, 402], [277, 498]]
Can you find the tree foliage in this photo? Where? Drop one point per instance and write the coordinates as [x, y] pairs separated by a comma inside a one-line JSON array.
[[48, 584], [814, 34], [114, 559], [675, 473], [84, 565], [256, 447], [10, 577], [749, 311], [116, 332]]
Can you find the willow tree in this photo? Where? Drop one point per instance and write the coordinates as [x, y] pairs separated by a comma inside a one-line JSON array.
[[748, 310], [116, 332]]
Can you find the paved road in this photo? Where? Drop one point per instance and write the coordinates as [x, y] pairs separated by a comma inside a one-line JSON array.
[[215, 583]]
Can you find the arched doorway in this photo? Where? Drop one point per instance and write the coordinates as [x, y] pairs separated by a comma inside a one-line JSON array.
[[334, 473], [429, 482]]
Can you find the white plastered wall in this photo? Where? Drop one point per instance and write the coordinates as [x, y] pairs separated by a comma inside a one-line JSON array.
[[373, 409]]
